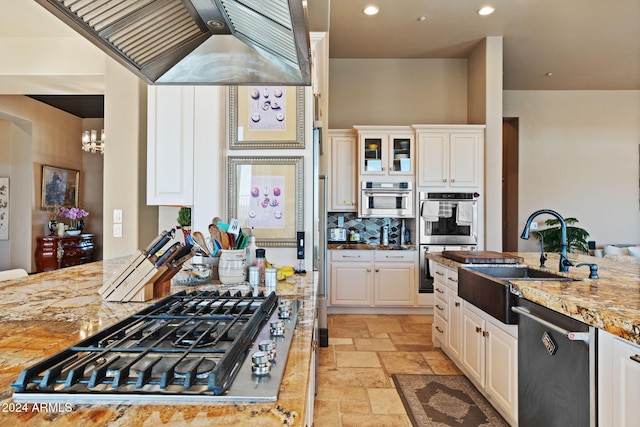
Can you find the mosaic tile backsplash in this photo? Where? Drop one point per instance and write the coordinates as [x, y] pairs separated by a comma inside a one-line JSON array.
[[369, 228]]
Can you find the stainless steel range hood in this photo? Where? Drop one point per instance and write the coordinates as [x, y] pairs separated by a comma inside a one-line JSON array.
[[209, 42]]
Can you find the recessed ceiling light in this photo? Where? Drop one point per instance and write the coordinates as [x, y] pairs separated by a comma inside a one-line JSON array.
[[423, 18], [486, 10], [371, 10], [549, 74]]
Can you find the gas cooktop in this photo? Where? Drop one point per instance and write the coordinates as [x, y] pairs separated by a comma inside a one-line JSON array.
[[189, 347]]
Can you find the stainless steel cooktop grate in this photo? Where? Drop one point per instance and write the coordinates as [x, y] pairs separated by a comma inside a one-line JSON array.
[[191, 344]]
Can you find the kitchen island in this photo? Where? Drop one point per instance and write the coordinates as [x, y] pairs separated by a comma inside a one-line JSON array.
[[48, 312], [610, 303]]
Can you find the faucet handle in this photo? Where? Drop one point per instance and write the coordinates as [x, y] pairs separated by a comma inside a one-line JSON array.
[[593, 269]]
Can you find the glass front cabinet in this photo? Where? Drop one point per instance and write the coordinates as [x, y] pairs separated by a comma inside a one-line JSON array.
[[386, 150]]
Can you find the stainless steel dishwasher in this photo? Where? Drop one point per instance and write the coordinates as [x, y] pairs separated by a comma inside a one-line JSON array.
[[556, 369]]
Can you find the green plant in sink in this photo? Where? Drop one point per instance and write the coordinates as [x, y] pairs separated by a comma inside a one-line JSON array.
[[576, 236]]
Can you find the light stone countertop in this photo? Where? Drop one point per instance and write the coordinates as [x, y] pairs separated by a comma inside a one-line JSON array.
[[47, 312], [610, 303]]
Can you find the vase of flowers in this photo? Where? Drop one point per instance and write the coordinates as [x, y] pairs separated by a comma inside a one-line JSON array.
[[76, 218]]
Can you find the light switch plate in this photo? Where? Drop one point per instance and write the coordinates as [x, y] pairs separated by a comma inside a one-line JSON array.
[[117, 230], [117, 216]]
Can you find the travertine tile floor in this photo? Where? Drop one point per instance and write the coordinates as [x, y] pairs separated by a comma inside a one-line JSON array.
[[355, 385]]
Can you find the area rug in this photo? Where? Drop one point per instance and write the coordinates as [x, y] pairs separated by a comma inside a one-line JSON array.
[[445, 400]]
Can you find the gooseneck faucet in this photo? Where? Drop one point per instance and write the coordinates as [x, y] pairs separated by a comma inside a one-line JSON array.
[[564, 261]]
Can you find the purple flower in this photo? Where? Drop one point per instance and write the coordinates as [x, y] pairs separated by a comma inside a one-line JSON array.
[[73, 213]]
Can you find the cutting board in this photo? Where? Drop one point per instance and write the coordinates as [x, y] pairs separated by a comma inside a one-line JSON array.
[[482, 257]]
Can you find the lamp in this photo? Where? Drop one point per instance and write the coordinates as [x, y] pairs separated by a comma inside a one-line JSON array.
[[91, 143]]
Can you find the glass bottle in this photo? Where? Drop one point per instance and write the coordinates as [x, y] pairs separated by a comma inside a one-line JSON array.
[[260, 262]]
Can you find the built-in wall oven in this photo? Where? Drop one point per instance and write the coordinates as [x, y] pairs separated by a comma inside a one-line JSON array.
[[448, 218], [386, 199], [448, 221]]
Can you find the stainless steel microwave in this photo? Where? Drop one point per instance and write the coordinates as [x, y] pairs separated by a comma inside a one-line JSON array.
[[386, 199]]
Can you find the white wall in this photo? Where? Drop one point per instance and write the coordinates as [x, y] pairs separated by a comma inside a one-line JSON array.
[[579, 155], [396, 92]]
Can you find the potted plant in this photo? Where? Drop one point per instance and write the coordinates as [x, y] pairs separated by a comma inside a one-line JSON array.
[[184, 221], [76, 218], [576, 236]]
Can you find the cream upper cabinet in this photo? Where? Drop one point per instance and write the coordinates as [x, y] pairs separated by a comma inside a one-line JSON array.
[[170, 145], [449, 156], [343, 196], [385, 151]]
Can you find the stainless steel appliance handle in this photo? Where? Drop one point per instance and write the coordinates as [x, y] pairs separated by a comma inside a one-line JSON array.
[[573, 336]]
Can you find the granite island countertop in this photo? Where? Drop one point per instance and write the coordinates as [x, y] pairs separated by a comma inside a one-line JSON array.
[[47, 312], [610, 303]]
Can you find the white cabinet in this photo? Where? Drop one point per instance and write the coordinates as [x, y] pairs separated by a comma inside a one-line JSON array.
[[385, 151], [473, 350], [395, 278], [342, 173], [372, 278], [351, 278], [618, 381], [449, 156], [489, 357], [170, 145], [485, 349]]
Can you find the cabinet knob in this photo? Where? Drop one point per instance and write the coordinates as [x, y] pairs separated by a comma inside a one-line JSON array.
[[444, 179], [457, 304], [377, 270], [453, 180], [368, 270], [478, 329], [485, 334]]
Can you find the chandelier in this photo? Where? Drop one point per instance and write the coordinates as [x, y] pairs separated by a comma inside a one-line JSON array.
[[91, 143]]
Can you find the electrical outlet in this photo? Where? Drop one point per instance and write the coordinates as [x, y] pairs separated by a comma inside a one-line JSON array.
[[117, 216], [534, 225], [117, 230]]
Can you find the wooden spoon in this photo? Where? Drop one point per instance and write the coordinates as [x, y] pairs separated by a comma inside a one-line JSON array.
[[216, 234], [198, 237]]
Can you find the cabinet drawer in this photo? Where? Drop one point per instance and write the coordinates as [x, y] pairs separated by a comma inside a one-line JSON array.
[[352, 256], [441, 308], [394, 256], [440, 273], [440, 329], [452, 280]]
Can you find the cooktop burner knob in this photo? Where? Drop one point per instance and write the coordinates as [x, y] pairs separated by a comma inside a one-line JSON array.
[[277, 328], [284, 309], [260, 364], [268, 347]]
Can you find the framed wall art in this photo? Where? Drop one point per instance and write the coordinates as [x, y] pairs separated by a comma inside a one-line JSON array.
[[4, 208], [60, 187], [266, 117], [266, 193]]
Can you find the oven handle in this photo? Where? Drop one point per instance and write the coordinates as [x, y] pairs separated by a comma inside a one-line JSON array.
[[386, 194], [573, 336]]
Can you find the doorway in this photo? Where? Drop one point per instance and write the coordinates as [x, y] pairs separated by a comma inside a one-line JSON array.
[[510, 232]]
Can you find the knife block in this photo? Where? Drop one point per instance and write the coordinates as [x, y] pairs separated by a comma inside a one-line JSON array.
[[138, 280]]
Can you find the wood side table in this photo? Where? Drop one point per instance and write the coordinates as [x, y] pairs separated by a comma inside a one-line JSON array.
[[54, 252]]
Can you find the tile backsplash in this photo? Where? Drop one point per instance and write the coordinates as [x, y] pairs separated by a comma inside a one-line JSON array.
[[369, 228]]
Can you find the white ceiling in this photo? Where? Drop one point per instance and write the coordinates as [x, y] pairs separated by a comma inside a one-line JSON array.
[[586, 44]]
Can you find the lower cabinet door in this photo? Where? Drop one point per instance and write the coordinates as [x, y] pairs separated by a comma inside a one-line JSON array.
[[473, 345], [350, 284], [394, 285], [626, 383], [454, 331], [502, 368]]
